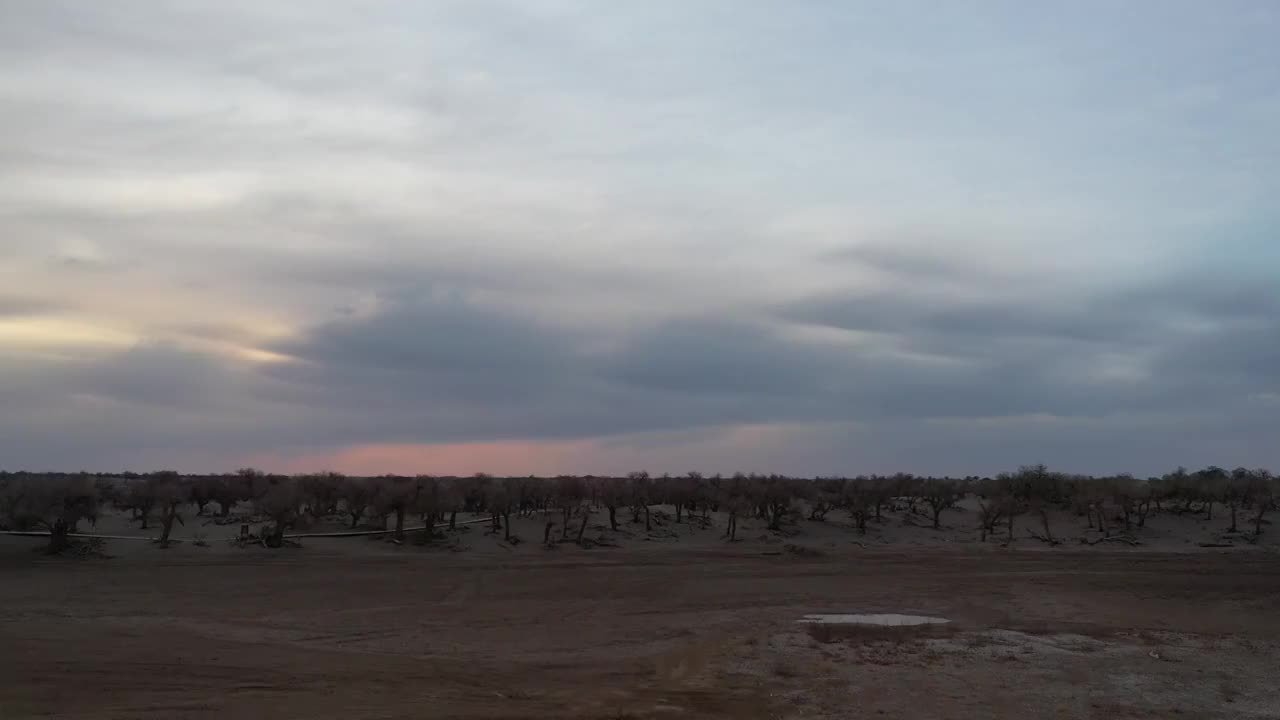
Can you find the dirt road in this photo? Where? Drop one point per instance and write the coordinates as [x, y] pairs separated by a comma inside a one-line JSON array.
[[321, 632]]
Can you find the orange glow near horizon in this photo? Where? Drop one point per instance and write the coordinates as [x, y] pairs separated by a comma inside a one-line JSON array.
[[599, 456], [518, 457]]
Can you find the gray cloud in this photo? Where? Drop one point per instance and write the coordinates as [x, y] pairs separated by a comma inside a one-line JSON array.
[[435, 367], [14, 305], [472, 221]]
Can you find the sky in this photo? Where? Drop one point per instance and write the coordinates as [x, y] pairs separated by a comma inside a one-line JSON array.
[[548, 237]]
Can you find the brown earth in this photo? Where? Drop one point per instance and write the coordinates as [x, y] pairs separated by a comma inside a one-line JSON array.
[[356, 628]]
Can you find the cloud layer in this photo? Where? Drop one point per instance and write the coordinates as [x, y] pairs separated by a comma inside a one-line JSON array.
[[713, 237]]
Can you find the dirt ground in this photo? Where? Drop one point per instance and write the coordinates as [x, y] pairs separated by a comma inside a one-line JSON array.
[[656, 628]]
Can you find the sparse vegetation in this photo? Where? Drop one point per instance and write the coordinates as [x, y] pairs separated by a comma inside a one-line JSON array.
[[1118, 508]]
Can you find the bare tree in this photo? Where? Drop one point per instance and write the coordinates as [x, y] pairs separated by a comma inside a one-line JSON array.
[[1133, 497], [860, 497], [823, 495], [1264, 493], [56, 504], [203, 491], [322, 491], [502, 497], [280, 498], [396, 496], [171, 493], [427, 504], [451, 498], [1234, 493], [1035, 488], [682, 492], [234, 489], [998, 500], [139, 498], [612, 494], [640, 494], [1211, 483], [775, 495], [733, 495], [940, 494], [570, 493], [357, 495]]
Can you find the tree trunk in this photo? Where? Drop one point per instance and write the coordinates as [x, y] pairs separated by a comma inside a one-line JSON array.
[[937, 517], [506, 525], [400, 524], [58, 537], [1044, 520], [276, 538], [546, 533], [613, 518], [733, 526], [225, 510], [453, 520], [564, 531], [678, 509], [1257, 520], [1010, 525], [582, 529], [166, 524], [1233, 518], [648, 525]]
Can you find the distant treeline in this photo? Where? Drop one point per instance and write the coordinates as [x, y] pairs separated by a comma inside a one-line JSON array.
[[59, 502]]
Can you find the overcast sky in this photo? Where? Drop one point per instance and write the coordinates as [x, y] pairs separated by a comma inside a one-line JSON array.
[[587, 237]]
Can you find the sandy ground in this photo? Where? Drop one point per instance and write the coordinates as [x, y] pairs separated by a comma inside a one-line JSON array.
[[670, 624]]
